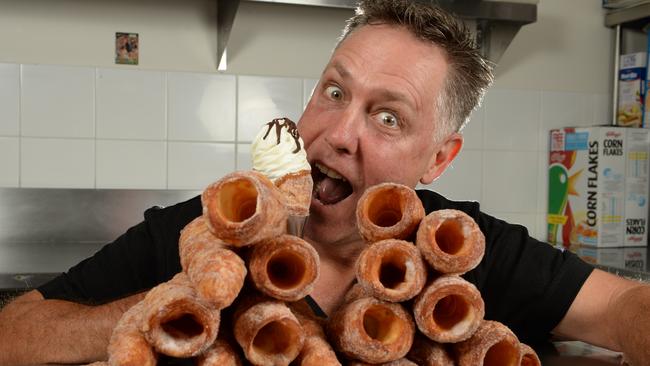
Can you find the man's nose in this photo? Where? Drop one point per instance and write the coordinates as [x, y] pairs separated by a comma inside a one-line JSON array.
[[343, 133]]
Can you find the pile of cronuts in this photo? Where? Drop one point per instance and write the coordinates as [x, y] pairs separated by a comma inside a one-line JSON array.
[[240, 298]]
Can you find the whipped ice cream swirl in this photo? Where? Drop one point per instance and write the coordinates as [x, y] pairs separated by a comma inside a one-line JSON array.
[[278, 150]]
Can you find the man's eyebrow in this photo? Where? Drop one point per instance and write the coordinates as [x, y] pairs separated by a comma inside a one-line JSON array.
[[341, 70], [391, 95]]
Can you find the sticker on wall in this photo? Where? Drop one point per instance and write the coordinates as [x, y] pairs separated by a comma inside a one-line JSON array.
[[126, 48]]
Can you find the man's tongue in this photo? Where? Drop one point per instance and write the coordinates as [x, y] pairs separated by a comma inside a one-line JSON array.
[[330, 191]]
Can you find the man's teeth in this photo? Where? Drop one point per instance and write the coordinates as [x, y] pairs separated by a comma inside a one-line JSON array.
[[330, 172]]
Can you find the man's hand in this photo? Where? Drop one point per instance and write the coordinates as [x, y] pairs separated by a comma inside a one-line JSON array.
[[611, 312], [37, 331]]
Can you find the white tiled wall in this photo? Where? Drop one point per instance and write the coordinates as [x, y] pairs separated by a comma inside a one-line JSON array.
[[84, 127]]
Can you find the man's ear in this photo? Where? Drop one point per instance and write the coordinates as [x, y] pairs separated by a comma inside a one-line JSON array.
[[443, 157]]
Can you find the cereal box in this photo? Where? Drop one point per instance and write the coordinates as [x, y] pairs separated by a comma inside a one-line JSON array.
[[598, 186], [632, 258], [631, 89]]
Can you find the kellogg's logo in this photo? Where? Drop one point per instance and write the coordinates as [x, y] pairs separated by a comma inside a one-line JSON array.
[[613, 134], [634, 238]]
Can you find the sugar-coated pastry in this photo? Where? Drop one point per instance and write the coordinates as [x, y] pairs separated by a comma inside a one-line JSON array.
[[127, 346], [388, 211], [492, 344], [449, 310], [284, 267], [176, 322], [400, 362], [372, 330], [450, 241], [220, 353], [391, 270], [528, 356], [218, 275], [426, 352], [268, 332], [243, 208], [316, 350], [196, 238]]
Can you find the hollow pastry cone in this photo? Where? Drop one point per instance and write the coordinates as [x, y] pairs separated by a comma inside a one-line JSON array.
[[194, 239], [278, 152], [492, 344], [355, 292], [425, 352], [449, 309], [243, 208], [285, 267], [316, 350], [218, 276], [372, 330], [400, 362], [388, 210], [528, 356], [176, 322], [220, 353], [268, 332], [127, 346], [391, 270], [450, 241]]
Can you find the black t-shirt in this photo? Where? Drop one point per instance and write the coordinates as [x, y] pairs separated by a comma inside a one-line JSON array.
[[526, 284]]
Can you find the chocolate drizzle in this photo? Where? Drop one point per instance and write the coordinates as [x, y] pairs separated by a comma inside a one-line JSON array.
[[279, 124]]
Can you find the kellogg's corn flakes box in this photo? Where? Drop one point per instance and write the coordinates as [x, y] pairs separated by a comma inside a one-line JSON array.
[[598, 186]]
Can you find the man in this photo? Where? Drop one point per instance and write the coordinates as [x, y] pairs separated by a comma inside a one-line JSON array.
[[388, 107]]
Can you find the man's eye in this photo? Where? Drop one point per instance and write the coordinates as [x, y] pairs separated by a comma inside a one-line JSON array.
[[334, 92], [388, 119]]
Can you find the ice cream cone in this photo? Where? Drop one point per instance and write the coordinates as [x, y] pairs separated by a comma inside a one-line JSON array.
[[297, 189]]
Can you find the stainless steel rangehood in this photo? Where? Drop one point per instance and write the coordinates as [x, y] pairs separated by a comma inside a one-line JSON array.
[[495, 23]]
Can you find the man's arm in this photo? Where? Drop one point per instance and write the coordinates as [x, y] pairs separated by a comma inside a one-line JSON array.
[[37, 331], [611, 312]]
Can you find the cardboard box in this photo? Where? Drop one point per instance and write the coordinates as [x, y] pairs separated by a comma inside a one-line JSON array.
[[646, 107], [627, 258], [631, 89], [598, 187]]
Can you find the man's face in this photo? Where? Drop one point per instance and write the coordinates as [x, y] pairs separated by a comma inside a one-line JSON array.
[[371, 119]]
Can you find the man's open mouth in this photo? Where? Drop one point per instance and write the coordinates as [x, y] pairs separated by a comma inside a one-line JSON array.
[[330, 187]]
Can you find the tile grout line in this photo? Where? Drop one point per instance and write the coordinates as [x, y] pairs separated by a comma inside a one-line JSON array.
[[20, 124], [166, 118], [237, 122], [95, 124]]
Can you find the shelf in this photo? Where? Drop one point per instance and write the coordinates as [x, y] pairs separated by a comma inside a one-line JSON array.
[[496, 22], [633, 17]]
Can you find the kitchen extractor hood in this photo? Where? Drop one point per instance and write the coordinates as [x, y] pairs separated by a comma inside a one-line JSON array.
[[494, 23]]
